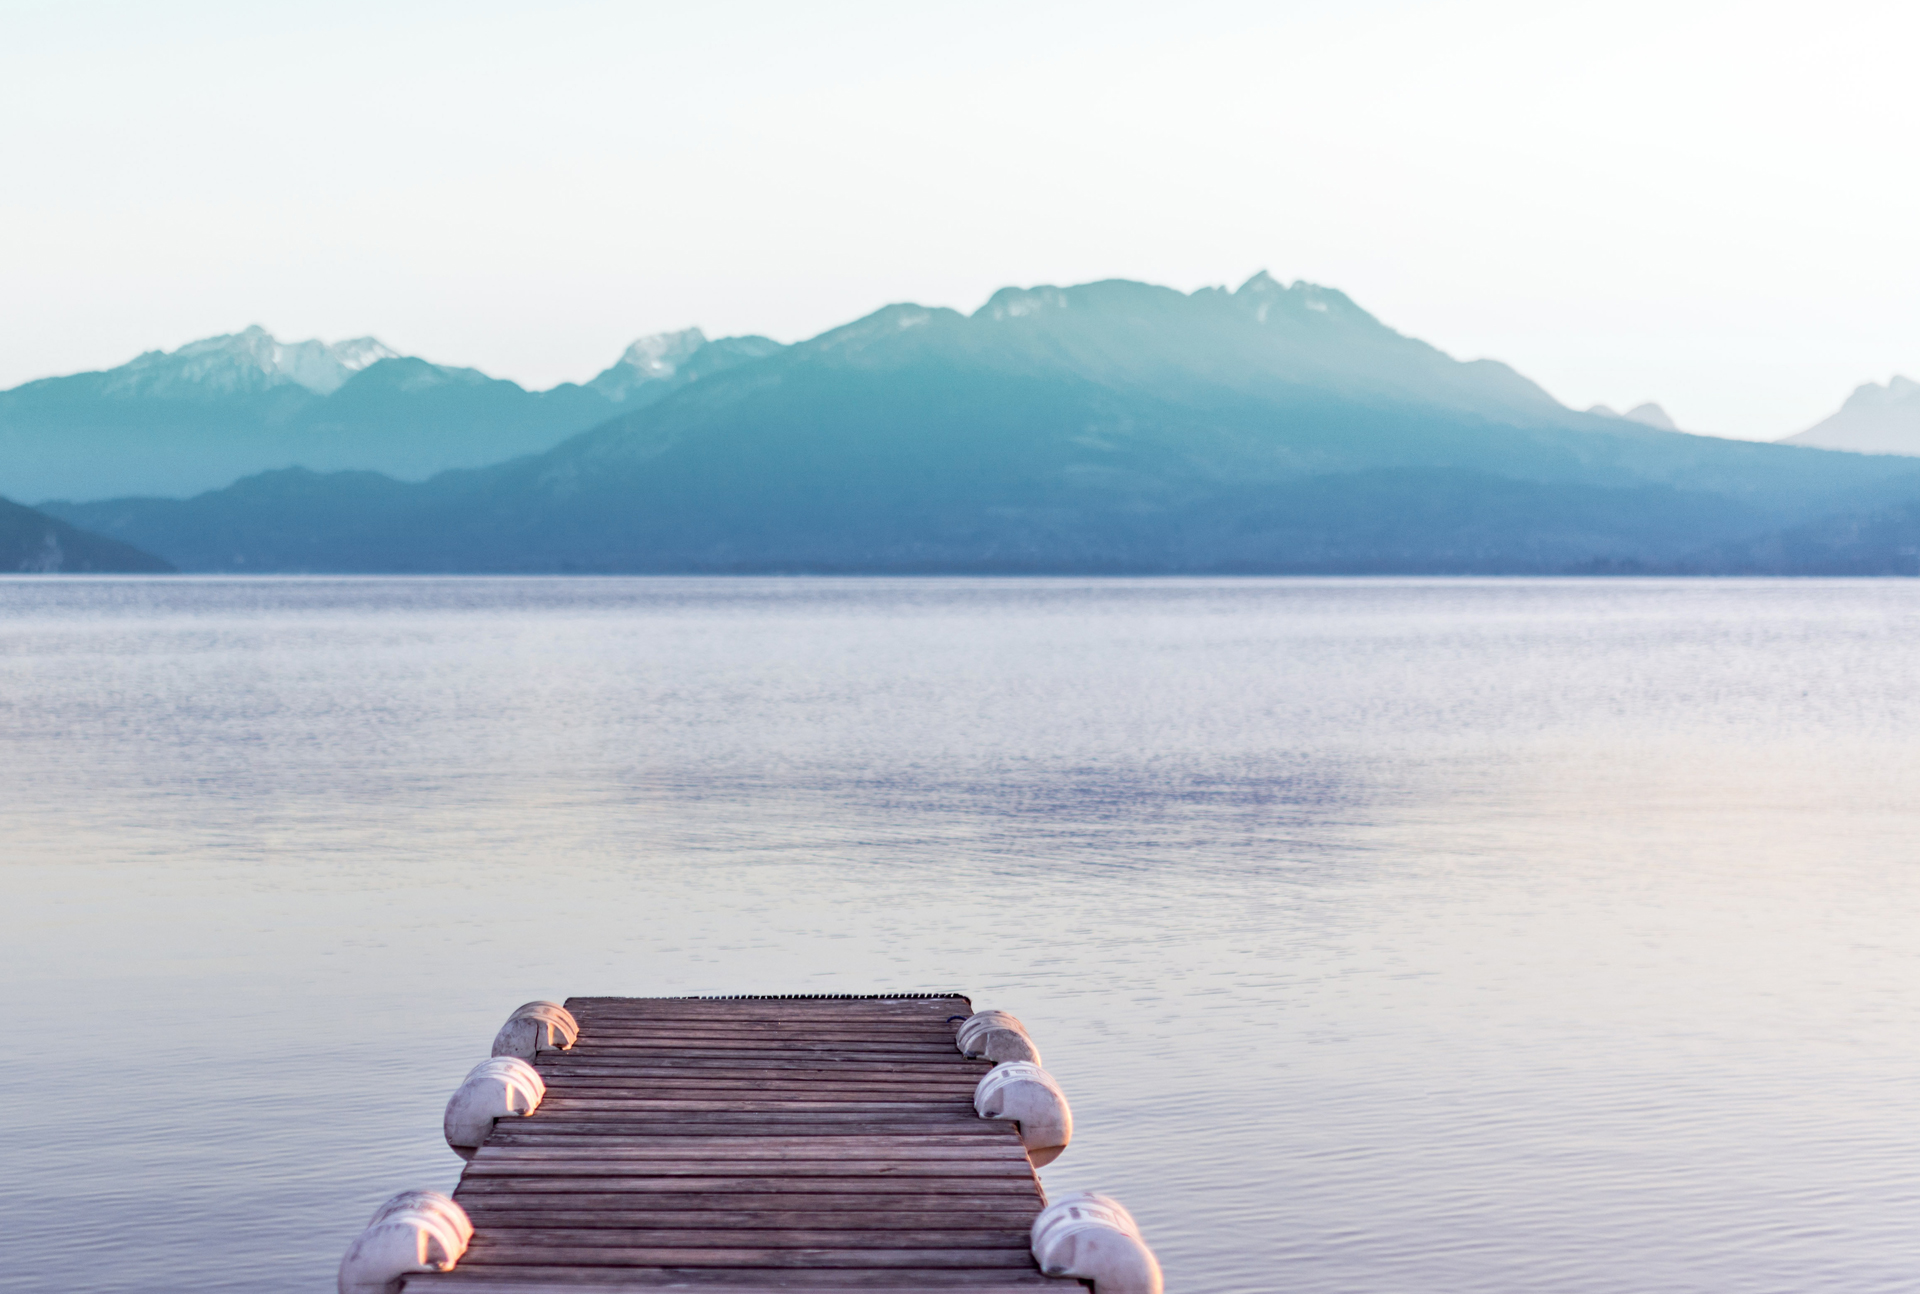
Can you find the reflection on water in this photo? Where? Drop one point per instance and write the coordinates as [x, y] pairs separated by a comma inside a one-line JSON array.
[[1435, 936]]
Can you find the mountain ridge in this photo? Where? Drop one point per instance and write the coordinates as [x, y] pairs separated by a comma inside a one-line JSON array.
[[1111, 426], [184, 421]]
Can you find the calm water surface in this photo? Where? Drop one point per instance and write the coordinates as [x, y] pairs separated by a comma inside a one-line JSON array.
[[1423, 936]]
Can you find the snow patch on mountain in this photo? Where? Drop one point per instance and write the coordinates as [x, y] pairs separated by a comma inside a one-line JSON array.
[[250, 360], [654, 358], [1018, 303]]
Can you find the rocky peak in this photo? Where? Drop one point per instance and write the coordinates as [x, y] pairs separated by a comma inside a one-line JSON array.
[[653, 358]]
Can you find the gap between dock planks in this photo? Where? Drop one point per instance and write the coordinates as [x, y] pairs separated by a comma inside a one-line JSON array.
[[753, 1145]]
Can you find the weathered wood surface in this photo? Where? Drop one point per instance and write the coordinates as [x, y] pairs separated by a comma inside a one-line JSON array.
[[753, 1146]]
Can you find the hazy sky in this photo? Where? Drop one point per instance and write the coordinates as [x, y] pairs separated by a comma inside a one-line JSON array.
[[1716, 206]]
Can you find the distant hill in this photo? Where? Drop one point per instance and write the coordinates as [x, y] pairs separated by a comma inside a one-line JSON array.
[[182, 422], [1874, 420], [1114, 426], [1647, 415], [33, 543]]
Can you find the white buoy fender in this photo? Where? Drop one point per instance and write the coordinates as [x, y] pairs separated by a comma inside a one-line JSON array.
[[1094, 1238], [533, 1026], [415, 1231], [1024, 1092], [997, 1036], [502, 1086]]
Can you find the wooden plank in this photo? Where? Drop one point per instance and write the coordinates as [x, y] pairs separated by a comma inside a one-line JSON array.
[[953, 1121], [827, 1053], [949, 1020], [795, 1277], [901, 1281], [508, 1280], [899, 1123], [670, 1197], [896, 1035], [592, 1049], [694, 1068], [590, 1056], [525, 1212], [725, 1158], [934, 1024], [898, 1094], [949, 1095], [570, 1141], [925, 1033], [617, 1123], [812, 1047], [747, 1184], [724, 1046], [679, 1143], [483, 1253], [759, 1147], [947, 1112], [830, 1069], [590, 1117], [961, 1082], [685, 1235], [949, 1103], [562, 1165], [651, 1070], [771, 1005], [922, 1009], [667, 1132], [731, 1162], [848, 1001], [921, 1032]]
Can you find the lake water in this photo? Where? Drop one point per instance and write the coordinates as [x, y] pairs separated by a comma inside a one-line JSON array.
[[1427, 936]]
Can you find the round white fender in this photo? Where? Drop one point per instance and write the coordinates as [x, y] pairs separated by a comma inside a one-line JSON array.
[[502, 1086], [533, 1026], [1024, 1092], [1094, 1238], [415, 1231], [997, 1036]]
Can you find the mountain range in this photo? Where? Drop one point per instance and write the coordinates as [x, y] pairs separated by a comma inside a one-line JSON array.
[[194, 419], [1112, 426]]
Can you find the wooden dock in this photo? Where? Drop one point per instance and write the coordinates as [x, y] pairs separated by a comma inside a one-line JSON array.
[[752, 1145]]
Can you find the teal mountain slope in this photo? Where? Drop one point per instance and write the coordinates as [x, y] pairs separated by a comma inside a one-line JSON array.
[[200, 417], [1109, 427], [35, 544]]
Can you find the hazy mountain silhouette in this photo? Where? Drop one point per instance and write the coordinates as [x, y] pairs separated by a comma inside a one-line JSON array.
[[181, 422], [1110, 427], [1874, 420], [1647, 415], [33, 543]]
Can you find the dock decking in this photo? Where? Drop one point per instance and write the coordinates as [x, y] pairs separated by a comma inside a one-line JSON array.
[[753, 1144]]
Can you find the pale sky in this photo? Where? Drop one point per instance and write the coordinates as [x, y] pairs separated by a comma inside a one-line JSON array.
[[1711, 205]]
